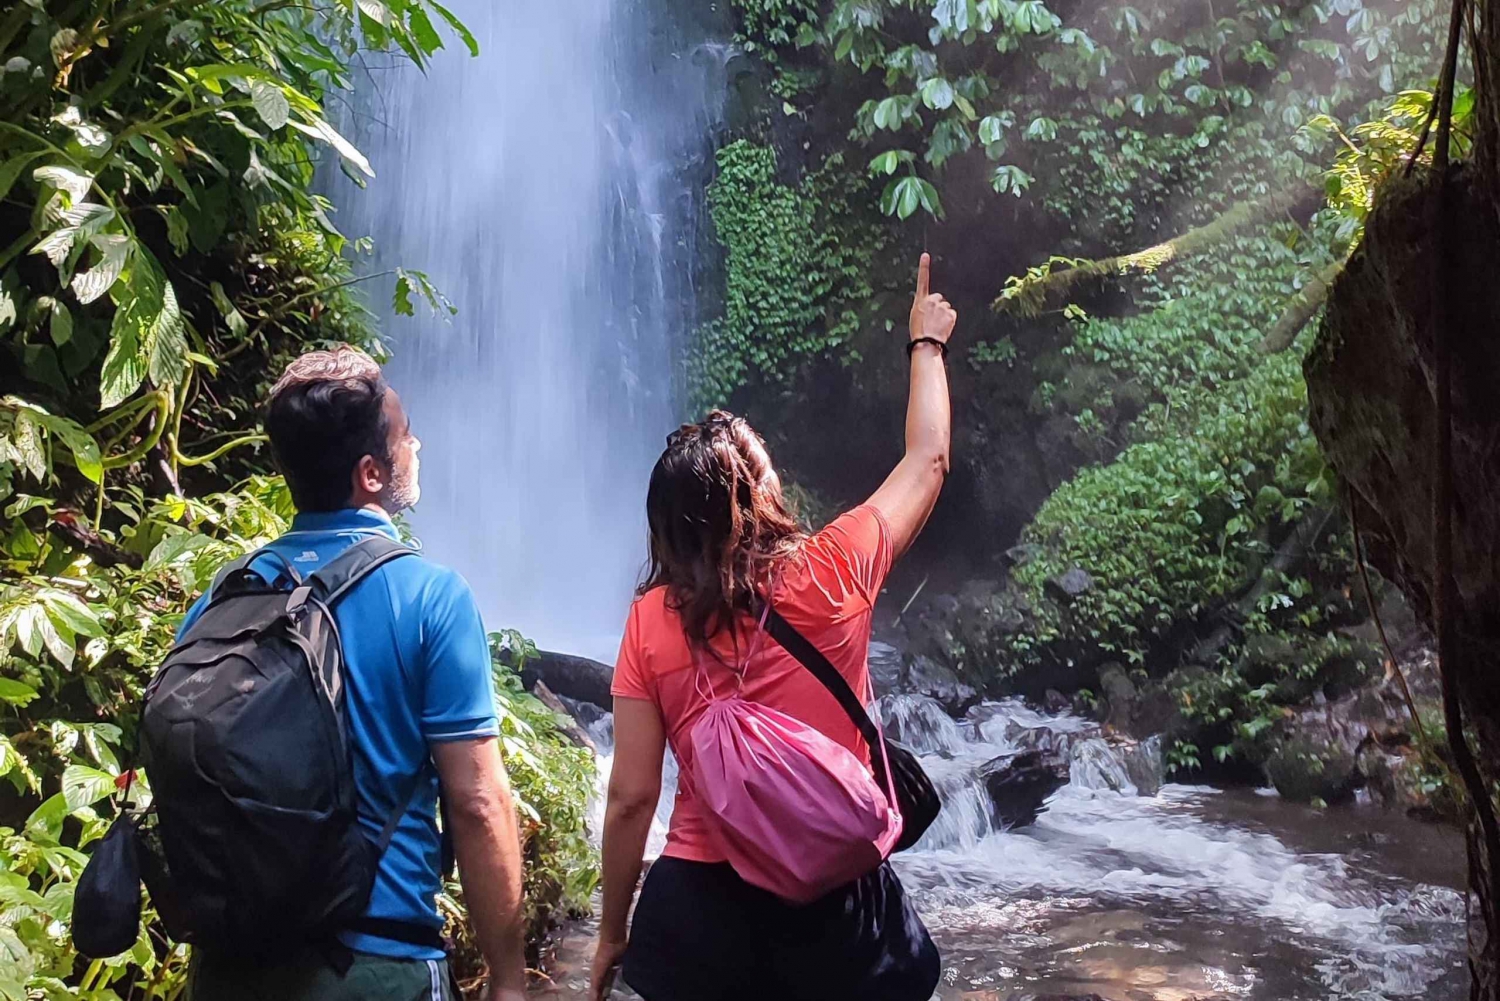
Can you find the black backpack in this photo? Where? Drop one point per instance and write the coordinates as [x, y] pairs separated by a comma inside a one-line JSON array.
[[256, 844]]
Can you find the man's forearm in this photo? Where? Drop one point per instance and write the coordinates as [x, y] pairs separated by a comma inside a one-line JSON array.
[[488, 845]]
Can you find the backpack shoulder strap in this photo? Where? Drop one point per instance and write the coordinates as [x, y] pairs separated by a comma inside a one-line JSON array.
[[354, 564], [244, 563], [810, 657]]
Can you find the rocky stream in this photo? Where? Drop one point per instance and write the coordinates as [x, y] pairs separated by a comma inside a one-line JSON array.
[[1066, 866]]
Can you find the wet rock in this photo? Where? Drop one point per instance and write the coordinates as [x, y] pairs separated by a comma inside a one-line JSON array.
[[941, 684], [1070, 584], [1019, 785], [1125, 766], [1304, 769], [887, 668], [573, 677], [1136, 710], [966, 632], [1056, 702]]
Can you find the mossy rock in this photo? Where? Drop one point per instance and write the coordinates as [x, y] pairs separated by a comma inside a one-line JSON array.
[[1305, 771]]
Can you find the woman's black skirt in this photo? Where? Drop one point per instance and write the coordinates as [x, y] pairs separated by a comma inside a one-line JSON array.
[[700, 933]]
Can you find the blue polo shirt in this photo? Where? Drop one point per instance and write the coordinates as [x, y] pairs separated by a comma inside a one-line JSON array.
[[416, 671]]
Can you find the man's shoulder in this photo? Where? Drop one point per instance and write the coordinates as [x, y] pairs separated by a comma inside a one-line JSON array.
[[421, 577]]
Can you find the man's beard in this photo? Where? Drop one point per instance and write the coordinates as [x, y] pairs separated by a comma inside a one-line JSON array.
[[405, 489]]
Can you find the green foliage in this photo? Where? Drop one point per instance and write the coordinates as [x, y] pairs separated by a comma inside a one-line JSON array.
[[78, 642], [1107, 105], [798, 271], [1371, 151], [158, 222], [162, 253], [553, 780]]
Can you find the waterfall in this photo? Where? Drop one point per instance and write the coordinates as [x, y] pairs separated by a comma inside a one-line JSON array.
[[552, 188]]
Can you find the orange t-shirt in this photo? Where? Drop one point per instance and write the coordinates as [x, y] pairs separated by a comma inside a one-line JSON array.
[[828, 594]]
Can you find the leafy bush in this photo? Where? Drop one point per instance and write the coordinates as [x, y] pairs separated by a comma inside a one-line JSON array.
[[162, 253], [797, 272]]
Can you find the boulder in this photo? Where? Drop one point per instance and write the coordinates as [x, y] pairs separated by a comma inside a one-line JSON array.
[[1304, 770], [925, 676], [1136, 710], [574, 677], [1069, 584], [1019, 785], [887, 668]]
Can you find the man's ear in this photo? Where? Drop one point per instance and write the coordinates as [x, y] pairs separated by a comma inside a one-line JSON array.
[[368, 478]]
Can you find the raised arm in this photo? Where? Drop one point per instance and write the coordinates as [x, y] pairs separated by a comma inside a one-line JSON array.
[[907, 496]]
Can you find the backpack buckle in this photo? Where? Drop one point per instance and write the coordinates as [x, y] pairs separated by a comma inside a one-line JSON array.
[[298, 601]]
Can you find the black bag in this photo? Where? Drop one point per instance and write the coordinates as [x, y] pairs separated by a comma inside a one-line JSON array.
[[916, 797], [245, 737], [107, 900]]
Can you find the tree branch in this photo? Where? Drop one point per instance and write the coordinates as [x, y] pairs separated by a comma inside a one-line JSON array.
[[70, 526], [1028, 296], [1299, 310]]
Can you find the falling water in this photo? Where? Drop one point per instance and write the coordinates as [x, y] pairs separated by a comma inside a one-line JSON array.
[[551, 187]]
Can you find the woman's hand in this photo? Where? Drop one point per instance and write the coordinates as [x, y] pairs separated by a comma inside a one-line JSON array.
[[931, 316], [607, 955]]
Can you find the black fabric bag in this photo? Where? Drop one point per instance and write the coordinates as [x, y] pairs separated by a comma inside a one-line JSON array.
[[916, 797], [107, 900], [244, 734]]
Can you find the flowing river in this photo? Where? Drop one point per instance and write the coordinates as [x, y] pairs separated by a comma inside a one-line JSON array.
[[1187, 893]]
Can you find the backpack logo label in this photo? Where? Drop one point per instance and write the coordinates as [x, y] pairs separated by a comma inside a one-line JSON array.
[[308, 556]]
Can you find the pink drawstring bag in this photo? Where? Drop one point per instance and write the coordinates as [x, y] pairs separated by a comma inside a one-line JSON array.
[[795, 812]]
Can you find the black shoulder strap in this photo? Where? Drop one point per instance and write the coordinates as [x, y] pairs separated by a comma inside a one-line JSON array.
[[812, 658], [244, 562], [353, 565]]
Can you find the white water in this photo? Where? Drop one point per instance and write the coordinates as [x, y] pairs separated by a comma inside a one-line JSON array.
[[551, 187], [1170, 897]]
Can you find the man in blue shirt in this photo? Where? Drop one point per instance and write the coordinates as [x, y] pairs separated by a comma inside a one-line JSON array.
[[419, 694]]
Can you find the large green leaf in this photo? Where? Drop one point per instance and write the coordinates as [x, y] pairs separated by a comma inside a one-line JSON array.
[[320, 129], [16, 966], [114, 252], [78, 441], [75, 182], [139, 304], [459, 28], [270, 103], [84, 786], [17, 694], [15, 766], [166, 342], [68, 611], [125, 365], [937, 94]]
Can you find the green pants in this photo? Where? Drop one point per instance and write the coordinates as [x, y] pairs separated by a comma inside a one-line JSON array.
[[309, 977]]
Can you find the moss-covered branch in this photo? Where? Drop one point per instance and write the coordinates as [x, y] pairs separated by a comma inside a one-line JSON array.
[[1029, 294], [1300, 310]]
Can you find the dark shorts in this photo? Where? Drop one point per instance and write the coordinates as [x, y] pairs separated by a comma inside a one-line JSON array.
[[309, 977], [700, 933]]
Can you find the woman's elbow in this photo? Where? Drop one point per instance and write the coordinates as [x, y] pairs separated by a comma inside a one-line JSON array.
[[626, 803]]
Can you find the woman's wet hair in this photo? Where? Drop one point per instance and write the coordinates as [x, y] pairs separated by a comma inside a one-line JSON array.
[[719, 523], [326, 412]]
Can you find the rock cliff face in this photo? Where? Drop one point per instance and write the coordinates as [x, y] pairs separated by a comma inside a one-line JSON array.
[[1371, 377]]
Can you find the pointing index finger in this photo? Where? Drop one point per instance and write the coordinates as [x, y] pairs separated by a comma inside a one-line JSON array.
[[924, 271]]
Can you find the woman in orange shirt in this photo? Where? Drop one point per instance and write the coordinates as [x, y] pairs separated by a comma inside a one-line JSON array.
[[721, 535]]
